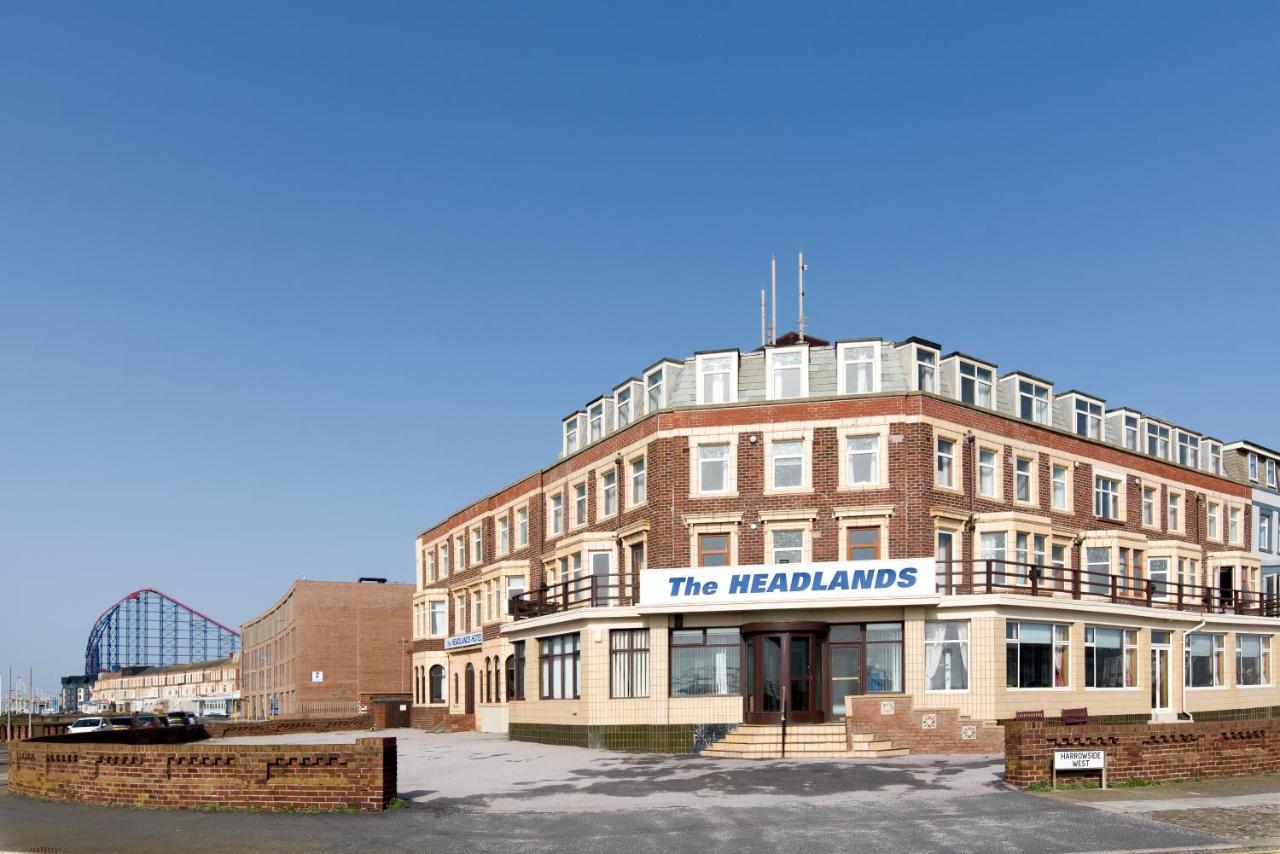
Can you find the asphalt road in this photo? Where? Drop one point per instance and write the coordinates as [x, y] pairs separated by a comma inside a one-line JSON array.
[[478, 793]]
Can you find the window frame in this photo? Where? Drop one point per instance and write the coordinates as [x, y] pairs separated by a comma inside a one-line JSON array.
[[956, 462], [977, 368], [630, 653], [736, 655], [1084, 407], [1217, 657], [700, 361], [1187, 450], [966, 641], [1068, 485], [1130, 666], [1117, 497], [770, 355], [1264, 660], [569, 661], [728, 487], [555, 514], [1029, 391], [604, 489], [634, 475], [522, 526], [702, 552], [773, 457], [1030, 475], [842, 365], [1054, 644], [997, 471]]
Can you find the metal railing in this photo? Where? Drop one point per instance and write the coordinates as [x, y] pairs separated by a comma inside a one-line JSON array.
[[963, 578]]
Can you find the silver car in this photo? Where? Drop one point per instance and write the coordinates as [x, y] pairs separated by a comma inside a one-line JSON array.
[[90, 725]]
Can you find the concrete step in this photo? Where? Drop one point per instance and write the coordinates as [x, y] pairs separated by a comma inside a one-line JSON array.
[[797, 737]]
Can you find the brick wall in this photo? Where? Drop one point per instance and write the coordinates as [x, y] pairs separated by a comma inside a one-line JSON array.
[[270, 777], [893, 716], [1157, 752], [284, 725], [426, 717]]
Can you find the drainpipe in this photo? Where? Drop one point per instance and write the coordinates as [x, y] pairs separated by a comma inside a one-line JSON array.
[[1197, 627]]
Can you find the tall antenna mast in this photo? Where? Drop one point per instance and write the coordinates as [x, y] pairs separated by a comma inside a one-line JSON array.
[[764, 336], [801, 270], [773, 278]]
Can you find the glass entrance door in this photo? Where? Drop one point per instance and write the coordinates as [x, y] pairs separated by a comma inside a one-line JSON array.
[[1160, 661], [784, 671]]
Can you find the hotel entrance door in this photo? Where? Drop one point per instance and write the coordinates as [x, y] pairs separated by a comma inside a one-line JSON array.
[[784, 672]]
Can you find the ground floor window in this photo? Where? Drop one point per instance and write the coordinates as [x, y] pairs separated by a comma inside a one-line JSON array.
[[561, 661], [884, 657], [705, 661], [1110, 657], [435, 683], [1203, 664], [629, 663], [1253, 660], [946, 655], [515, 672], [1036, 655]]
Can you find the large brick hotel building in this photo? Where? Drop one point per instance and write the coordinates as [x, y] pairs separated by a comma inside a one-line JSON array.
[[812, 526]]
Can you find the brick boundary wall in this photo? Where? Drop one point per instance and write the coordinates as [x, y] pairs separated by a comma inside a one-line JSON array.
[[282, 726], [271, 777], [1155, 752], [894, 716], [441, 719]]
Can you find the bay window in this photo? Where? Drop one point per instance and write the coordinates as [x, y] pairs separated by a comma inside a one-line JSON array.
[[1253, 659], [946, 655], [1158, 575], [1110, 657], [1203, 665], [1037, 655], [1097, 579]]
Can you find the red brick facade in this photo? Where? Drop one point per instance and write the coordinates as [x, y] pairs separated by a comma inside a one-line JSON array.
[[911, 490], [894, 717], [1156, 752], [270, 777]]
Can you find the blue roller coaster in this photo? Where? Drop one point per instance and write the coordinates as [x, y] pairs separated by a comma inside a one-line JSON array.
[[148, 628]]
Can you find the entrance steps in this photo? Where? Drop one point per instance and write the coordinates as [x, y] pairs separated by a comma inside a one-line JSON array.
[[826, 741]]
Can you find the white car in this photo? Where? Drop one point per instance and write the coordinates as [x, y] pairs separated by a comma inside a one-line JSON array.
[[90, 725]]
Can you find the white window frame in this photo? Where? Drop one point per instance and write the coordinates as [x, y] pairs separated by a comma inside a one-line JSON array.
[[772, 457], [555, 514], [978, 369], [624, 402], [522, 527], [1117, 497], [770, 354], [502, 534], [1188, 450], [1212, 456], [731, 375], [1131, 424], [1271, 472], [649, 386], [443, 629], [967, 656], [1264, 660], [956, 462], [1253, 466], [1149, 518], [729, 467], [603, 490], [573, 434], [1213, 521], [1217, 653], [1130, 665], [1175, 511], [581, 499], [1264, 530], [933, 364], [997, 471], [477, 545], [802, 549], [1235, 526], [1161, 435], [637, 481], [1031, 476], [881, 457], [1091, 411], [596, 419], [1067, 485], [1030, 390], [842, 368]]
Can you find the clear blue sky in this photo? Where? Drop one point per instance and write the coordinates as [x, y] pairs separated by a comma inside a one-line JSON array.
[[283, 284]]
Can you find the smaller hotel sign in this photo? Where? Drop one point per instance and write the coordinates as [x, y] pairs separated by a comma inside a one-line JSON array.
[[459, 641], [826, 583]]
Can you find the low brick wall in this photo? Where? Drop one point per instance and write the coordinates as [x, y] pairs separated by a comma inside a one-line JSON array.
[[1156, 752], [280, 726], [894, 716], [39, 726], [269, 777], [424, 717]]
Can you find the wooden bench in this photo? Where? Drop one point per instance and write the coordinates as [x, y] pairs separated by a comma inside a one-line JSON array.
[[1029, 716], [1073, 717]]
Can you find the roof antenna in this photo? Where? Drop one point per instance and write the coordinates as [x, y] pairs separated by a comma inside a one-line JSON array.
[[764, 334], [803, 266], [773, 278]]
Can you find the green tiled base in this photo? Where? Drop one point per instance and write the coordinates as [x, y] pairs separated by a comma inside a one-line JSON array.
[[676, 738]]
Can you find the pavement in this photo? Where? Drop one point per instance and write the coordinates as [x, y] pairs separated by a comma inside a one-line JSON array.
[[475, 792]]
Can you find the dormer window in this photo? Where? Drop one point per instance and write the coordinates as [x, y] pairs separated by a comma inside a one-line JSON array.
[[926, 371], [976, 384], [1253, 466], [1157, 440], [573, 427], [717, 377], [1271, 472], [1088, 418], [859, 367], [653, 391], [1033, 402], [1188, 449], [625, 399], [595, 422], [1213, 457], [1130, 437], [788, 371]]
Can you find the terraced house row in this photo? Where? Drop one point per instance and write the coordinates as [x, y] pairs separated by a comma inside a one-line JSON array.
[[819, 532]]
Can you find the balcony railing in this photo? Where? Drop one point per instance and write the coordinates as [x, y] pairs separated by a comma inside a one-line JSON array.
[[962, 578]]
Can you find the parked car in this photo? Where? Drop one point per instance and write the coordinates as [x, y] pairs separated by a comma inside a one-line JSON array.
[[90, 725], [122, 722], [181, 719], [151, 721]]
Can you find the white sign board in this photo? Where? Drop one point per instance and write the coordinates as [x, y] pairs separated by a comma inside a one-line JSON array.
[[317, 675], [791, 583], [458, 641], [1079, 760]]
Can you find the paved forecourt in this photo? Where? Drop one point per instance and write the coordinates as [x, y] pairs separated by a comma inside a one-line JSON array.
[[472, 792]]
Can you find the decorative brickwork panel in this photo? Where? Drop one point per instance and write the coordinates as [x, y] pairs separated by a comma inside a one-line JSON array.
[[1157, 752], [269, 777], [921, 730]]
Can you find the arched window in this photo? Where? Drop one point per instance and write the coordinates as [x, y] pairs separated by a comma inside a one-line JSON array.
[[484, 682], [455, 685], [511, 677], [437, 683]]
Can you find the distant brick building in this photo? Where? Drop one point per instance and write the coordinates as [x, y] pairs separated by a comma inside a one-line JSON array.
[[324, 645], [203, 687]]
